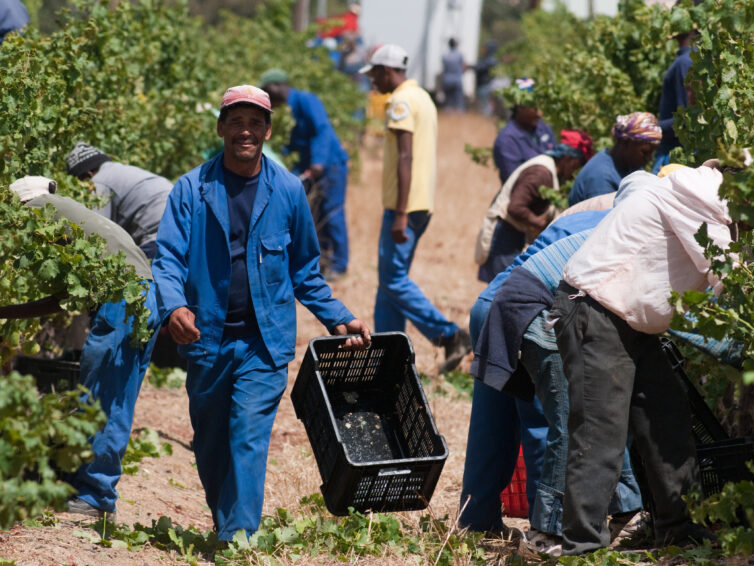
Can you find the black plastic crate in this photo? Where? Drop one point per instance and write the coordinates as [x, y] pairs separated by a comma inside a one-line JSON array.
[[369, 425], [724, 461], [705, 426], [58, 374]]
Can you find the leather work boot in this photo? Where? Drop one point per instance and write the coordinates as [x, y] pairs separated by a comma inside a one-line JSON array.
[[81, 507], [456, 347]]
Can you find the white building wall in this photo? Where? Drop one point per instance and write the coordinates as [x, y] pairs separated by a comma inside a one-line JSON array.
[[581, 7], [423, 28]]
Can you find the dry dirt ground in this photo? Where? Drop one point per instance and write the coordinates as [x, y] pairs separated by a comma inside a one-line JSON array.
[[443, 268]]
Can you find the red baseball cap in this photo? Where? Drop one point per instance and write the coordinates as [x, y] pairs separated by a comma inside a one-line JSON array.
[[246, 94]]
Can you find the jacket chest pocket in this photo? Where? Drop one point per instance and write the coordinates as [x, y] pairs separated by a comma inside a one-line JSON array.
[[274, 256]]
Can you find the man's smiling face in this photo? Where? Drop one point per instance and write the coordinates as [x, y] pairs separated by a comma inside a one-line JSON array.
[[244, 130]]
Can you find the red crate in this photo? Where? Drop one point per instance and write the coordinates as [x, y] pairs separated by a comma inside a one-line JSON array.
[[513, 497]]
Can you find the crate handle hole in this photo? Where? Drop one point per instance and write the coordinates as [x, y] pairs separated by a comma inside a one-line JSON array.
[[393, 472], [347, 336]]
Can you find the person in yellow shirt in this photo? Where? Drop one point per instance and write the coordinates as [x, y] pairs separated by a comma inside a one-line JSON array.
[[408, 196]]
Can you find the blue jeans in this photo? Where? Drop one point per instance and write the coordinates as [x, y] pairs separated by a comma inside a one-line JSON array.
[[112, 369], [398, 298], [331, 225], [499, 424], [546, 369], [232, 406]]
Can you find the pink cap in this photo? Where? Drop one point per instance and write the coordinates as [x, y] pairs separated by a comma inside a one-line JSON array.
[[248, 94]]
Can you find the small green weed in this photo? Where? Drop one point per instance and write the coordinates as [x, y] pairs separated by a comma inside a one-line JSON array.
[[144, 443], [462, 382], [47, 519], [455, 382], [294, 536]]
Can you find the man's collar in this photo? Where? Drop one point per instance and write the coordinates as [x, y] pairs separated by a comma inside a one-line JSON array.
[[406, 83]]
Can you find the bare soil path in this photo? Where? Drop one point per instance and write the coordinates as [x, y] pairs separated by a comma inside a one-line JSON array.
[[443, 268]]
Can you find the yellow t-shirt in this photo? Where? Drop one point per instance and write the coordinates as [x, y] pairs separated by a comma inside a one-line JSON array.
[[411, 109]]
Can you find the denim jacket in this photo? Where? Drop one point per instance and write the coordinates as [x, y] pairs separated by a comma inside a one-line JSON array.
[[192, 265]]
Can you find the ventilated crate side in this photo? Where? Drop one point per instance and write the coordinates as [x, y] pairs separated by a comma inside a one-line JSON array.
[[328, 374], [723, 462], [414, 415], [400, 486]]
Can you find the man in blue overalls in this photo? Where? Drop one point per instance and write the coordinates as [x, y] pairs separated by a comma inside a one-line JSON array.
[[321, 158], [111, 367], [235, 247]]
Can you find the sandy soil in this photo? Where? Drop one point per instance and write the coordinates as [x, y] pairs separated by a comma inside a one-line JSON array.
[[443, 268]]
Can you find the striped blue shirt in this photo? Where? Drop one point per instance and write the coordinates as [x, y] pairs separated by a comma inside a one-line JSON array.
[[547, 266]]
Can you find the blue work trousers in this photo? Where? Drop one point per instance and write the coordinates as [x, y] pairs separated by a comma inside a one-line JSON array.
[[331, 224], [546, 370], [398, 297], [112, 369], [232, 406], [499, 424]]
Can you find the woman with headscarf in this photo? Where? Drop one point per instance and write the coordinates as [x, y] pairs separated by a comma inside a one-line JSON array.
[[519, 212], [637, 136]]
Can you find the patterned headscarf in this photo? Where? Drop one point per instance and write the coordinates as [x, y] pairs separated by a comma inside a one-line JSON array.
[[638, 126], [573, 143]]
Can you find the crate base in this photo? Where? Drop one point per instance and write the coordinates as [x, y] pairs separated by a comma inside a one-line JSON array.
[[368, 436]]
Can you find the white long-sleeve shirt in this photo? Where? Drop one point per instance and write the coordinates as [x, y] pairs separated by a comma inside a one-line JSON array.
[[645, 247]]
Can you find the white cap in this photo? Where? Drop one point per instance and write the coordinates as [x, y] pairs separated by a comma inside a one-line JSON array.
[[30, 187], [388, 55]]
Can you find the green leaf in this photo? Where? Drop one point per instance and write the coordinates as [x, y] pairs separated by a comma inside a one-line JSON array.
[[49, 269], [730, 127]]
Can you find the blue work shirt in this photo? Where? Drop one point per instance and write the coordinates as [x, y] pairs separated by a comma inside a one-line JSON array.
[[514, 145], [240, 319], [672, 97], [561, 228], [313, 137], [193, 263], [598, 177]]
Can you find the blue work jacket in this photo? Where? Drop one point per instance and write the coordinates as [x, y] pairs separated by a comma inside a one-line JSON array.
[[672, 97], [192, 266], [514, 145], [313, 137]]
